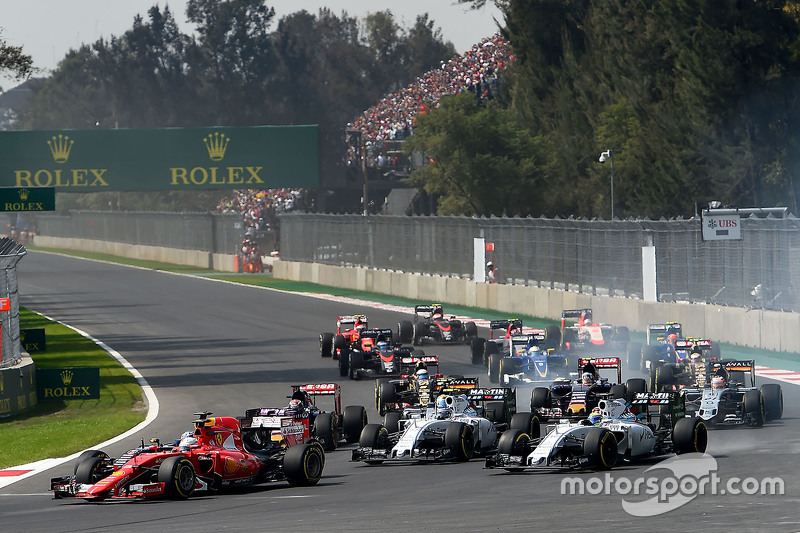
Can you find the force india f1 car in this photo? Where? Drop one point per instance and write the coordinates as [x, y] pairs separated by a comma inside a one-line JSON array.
[[524, 359], [726, 400], [430, 325], [302, 418], [219, 455], [457, 427], [616, 432]]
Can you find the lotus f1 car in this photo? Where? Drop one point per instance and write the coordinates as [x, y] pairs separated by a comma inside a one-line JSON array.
[[302, 418], [457, 427], [524, 359], [219, 455], [727, 400], [599, 442], [414, 391], [430, 325]]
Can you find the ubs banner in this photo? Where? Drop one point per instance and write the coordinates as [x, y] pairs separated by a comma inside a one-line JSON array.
[[258, 157], [76, 383]]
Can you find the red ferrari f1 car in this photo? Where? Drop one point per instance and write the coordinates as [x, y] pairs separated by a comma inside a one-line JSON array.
[[218, 455]]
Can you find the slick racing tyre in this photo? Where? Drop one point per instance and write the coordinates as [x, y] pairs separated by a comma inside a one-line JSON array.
[[541, 399], [91, 469], [528, 423], [513, 442], [339, 346], [477, 347], [405, 331], [344, 365], [386, 396], [87, 454], [327, 431], [552, 335], [470, 330], [633, 387], [303, 464], [617, 392], [753, 405], [326, 344], [773, 401], [600, 448], [458, 437], [353, 421], [177, 474], [494, 367], [391, 421], [374, 436], [690, 435]]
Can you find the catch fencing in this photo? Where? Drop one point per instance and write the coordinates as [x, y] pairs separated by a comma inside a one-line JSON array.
[[762, 270]]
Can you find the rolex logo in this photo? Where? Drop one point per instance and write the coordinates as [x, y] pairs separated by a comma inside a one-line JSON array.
[[66, 377], [60, 147], [23, 194], [216, 144]]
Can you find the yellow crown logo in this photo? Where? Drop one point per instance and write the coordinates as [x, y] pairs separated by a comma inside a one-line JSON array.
[[23, 194], [216, 144], [60, 147], [66, 377]]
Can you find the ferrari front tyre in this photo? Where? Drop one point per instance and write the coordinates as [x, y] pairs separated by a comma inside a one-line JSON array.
[[326, 344], [528, 423], [177, 474], [405, 331], [327, 431], [303, 464], [87, 454], [459, 439], [494, 367], [753, 405], [477, 346], [91, 469], [386, 396], [344, 365], [353, 421], [391, 421], [600, 448], [514, 442], [773, 401], [690, 435]]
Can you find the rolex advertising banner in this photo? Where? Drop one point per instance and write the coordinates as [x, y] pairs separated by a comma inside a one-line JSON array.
[[260, 157], [76, 383]]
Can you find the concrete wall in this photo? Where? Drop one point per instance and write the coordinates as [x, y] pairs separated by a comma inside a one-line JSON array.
[[770, 330]]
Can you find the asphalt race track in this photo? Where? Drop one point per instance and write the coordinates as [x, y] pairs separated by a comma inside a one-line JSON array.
[[205, 345]]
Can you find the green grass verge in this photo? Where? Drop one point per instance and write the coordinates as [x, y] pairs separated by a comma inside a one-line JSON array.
[[56, 429]]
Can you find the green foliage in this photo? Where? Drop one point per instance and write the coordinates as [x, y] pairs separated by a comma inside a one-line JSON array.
[[13, 61]]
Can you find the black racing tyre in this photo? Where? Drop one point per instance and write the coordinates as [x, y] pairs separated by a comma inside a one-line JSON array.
[[488, 349], [541, 399], [377, 392], [339, 345], [495, 412], [528, 423], [622, 334], [416, 336], [552, 335], [326, 344], [177, 474], [326, 429], [634, 356], [470, 330], [86, 455], [477, 346], [344, 365], [354, 419], [618, 392], [303, 464], [600, 448], [514, 442], [655, 382], [773, 401], [458, 437], [633, 387], [753, 405], [354, 364], [391, 421], [494, 367], [91, 469], [386, 396], [649, 353], [405, 331], [374, 436], [690, 435]]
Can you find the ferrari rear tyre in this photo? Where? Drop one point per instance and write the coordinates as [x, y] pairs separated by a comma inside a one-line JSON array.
[[528, 423], [326, 344], [391, 421], [344, 365], [477, 346], [690, 435], [303, 464], [353, 364], [326, 429], [494, 367], [90, 470], [353, 421], [513, 442], [458, 437], [600, 448], [405, 331], [177, 474], [339, 346], [753, 405], [773, 401]]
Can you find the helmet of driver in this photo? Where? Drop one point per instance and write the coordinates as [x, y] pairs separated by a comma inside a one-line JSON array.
[[295, 404], [595, 419], [718, 383], [587, 378], [187, 443], [187, 434], [383, 346], [533, 350], [422, 373], [441, 402]]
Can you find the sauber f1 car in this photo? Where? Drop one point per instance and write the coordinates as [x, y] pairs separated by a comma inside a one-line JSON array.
[[302, 418], [655, 425], [456, 427], [727, 400], [219, 455], [430, 325], [524, 359]]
